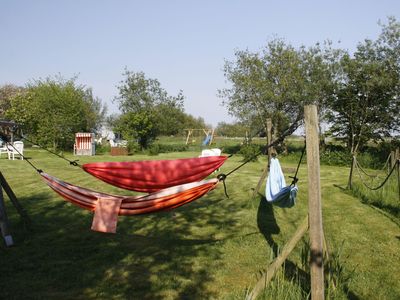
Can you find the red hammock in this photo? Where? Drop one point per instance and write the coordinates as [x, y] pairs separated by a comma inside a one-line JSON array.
[[154, 175]]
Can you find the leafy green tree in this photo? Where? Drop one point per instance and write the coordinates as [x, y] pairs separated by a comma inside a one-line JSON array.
[[366, 100], [170, 119], [191, 122], [7, 92], [147, 109], [54, 109], [276, 84], [137, 126], [232, 130]]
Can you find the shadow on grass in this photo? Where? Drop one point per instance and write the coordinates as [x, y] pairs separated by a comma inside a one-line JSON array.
[[153, 256], [266, 223]]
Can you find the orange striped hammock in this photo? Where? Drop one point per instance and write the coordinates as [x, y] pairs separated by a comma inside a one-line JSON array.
[[108, 207]]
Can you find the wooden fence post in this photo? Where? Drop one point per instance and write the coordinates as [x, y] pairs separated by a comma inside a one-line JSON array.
[[269, 150], [392, 159], [4, 226], [398, 176], [350, 183], [314, 203]]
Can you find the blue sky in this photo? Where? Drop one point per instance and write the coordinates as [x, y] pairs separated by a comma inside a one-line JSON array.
[[183, 44]]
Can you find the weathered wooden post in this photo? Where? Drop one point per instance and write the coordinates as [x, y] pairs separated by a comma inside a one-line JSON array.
[[398, 175], [398, 170], [392, 159], [269, 140], [4, 226], [350, 183], [269, 151], [314, 203]]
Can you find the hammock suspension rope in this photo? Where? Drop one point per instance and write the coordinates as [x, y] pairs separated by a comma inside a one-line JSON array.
[[360, 169]]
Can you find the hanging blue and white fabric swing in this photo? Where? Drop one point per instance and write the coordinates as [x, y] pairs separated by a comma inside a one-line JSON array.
[[276, 191]]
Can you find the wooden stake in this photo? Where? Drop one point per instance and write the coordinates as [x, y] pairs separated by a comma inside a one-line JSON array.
[[398, 176], [314, 203], [269, 140], [350, 183], [392, 159], [278, 261], [188, 136], [269, 150], [14, 200], [4, 226]]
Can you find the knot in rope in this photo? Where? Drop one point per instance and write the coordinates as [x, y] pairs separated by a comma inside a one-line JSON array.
[[294, 181], [222, 177], [74, 162]]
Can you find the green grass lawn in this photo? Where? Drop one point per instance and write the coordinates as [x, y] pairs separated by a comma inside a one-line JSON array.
[[213, 248]]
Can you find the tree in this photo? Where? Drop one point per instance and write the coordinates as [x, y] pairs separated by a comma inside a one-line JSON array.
[[54, 109], [236, 129], [276, 84], [191, 122], [7, 92], [366, 100], [170, 119], [147, 109], [137, 126]]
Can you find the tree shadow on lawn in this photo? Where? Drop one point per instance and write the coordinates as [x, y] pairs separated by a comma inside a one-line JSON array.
[[63, 258]]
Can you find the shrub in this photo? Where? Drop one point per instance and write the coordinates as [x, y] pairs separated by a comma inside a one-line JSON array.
[[155, 149], [102, 149], [133, 147], [250, 152]]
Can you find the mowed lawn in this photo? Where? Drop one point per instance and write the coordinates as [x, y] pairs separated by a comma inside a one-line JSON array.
[[213, 248]]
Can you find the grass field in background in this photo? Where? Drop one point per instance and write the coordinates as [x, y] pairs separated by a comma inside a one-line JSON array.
[[213, 248]]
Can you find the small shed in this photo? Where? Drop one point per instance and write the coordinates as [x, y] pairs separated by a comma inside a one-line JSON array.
[[84, 144]]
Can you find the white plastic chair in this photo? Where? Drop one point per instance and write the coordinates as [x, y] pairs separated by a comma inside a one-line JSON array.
[[210, 152], [18, 149]]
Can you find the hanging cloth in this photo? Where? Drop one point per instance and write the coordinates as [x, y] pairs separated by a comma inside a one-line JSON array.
[[154, 175], [276, 190], [107, 212]]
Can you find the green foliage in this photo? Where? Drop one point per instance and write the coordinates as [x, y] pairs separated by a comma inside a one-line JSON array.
[[51, 111], [170, 119], [250, 152], [231, 130], [166, 148], [276, 84], [138, 93], [7, 92], [366, 100], [147, 110], [191, 122], [102, 149], [133, 147], [232, 149], [335, 156], [137, 126]]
